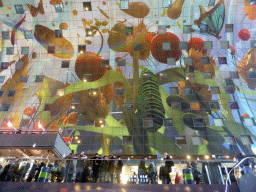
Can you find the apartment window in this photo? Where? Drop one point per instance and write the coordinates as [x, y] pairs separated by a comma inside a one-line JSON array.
[[9, 50], [188, 91], [171, 61], [230, 89], [246, 140], [47, 107], [253, 44], [218, 122], [174, 90], [208, 45], [81, 48], [146, 76], [224, 45], [127, 140], [183, 45], [137, 47], [1, 93], [186, 28], [128, 106], [163, 76], [60, 92], [29, 34], [128, 30], [51, 49], [89, 32], [207, 75], [181, 140], [189, 75], [167, 3], [188, 61], [249, 121], [119, 92], [39, 78], [211, 3], [222, 60], [168, 122], [230, 140], [19, 9], [58, 33], [124, 4], [65, 64], [205, 60], [195, 106], [251, 74], [4, 65], [19, 65], [214, 105], [104, 62], [197, 140], [59, 7], [229, 28], [5, 35], [2, 79], [234, 75], [5, 107], [87, 77], [203, 28], [99, 122], [198, 122], [166, 46], [11, 93], [162, 29], [147, 122], [233, 105], [24, 79], [121, 62], [24, 50], [215, 90]]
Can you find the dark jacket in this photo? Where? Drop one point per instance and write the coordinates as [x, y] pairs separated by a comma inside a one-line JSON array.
[[119, 165], [169, 163], [111, 165], [104, 166], [96, 163]]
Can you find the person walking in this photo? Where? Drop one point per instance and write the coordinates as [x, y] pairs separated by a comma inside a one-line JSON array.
[[196, 173], [168, 164], [96, 164], [119, 167]]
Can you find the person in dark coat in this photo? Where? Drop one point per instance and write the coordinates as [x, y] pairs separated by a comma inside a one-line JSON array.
[[142, 170], [168, 164], [3, 175], [38, 170], [104, 170], [96, 164], [111, 167], [32, 172], [196, 173], [69, 169], [80, 166], [119, 167]]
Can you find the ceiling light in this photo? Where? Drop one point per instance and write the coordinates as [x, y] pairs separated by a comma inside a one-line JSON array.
[[188, 157]]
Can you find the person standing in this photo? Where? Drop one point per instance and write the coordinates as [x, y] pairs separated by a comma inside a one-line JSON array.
[[96, 164], [38, 170], [80, 166], [196, 173], [152, 172], [69, 167], [119, 167], [104, 170], [168, 164], [111, 167]]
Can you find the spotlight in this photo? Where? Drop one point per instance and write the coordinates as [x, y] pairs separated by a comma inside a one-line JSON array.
[[188, 157], [227, 156], [76, 137], [78, 141], [100, 121], [206, 156], [102, 125], [9, 124]]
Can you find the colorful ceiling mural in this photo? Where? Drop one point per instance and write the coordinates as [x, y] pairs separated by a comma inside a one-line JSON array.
[[132, 77]]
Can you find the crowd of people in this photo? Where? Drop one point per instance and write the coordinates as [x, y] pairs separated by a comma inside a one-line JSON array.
[[79, 168]]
